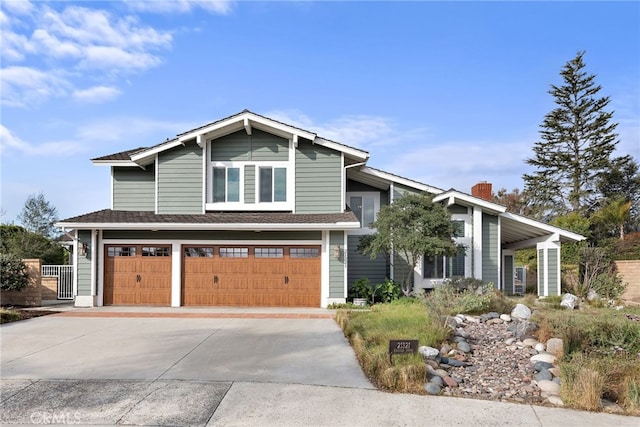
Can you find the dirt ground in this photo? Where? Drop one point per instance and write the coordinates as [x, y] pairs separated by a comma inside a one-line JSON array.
[[15, 314]]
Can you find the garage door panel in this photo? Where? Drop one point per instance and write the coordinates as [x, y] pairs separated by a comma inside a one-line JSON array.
[[131, 278], [252, 276]]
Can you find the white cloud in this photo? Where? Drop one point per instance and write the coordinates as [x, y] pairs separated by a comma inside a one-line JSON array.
[[19, 7], [24, 86], [96, 94], [221, 7], [77, 39], [9, 141]]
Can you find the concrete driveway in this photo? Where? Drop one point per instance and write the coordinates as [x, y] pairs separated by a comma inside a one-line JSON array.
[[159, 371]]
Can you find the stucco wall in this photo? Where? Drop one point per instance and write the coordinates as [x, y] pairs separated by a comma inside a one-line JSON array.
[[31, 294], [630, 272]]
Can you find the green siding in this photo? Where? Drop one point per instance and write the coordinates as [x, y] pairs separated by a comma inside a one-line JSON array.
[[134, 189], [362, 266], [318, 179], [541, 272], [84, 264], [250, 184], [552, 264], [508, 274], [490, 256], [457, 209], [259, 146], [401, 268], [212, 235], [232, 147], [267, 147], [336, 266], [180, 180]]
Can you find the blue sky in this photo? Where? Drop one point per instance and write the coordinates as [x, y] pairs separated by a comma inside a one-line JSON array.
[[447, 93]]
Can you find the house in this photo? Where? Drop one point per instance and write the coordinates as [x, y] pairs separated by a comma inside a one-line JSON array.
[[250, 211]]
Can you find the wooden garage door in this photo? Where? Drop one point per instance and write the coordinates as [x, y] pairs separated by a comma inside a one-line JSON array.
[[277, 276], [137, 274]]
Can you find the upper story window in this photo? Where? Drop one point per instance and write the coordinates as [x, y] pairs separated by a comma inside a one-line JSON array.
[[273, 184], [226, 184], [365, 205]]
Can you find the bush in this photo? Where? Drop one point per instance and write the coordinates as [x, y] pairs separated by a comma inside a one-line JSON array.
[[609, 285], [361, 289], [448, 300], [387, 291], [14, 275]]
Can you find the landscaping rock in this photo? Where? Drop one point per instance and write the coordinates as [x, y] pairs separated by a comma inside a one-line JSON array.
[[494, 321], [592, 295], [521, 312], [555, 400], [437, 380], [555, 346], [432, 389], [548, 387], [489, 316], [523, 329], [450, 382], [540, 366], [529, 342], [544, 357], [429, 353], [539, 347], [611, 407], [505, 318], [543, 375], [464, 347], [569, 300]]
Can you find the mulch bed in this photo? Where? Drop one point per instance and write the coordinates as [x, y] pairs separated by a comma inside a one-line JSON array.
[[18, 313]]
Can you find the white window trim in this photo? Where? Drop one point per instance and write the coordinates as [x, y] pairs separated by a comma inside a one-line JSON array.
[[376, 208]]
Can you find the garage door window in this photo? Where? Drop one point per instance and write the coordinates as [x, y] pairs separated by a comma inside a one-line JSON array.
[[198, 252], [151, 251], [269, 252], [304, 253], [234, 252], [121, 251]]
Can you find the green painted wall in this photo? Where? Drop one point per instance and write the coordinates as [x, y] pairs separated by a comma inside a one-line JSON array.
[[84, 264], [457, 209], [260, 146], [250, 184], [541, 272], [318, 179], [134, 189], [552, 264], [508, 274], [180, 180], [213, 235], [336, 266], [401, 268], [490, 255], [360, 266]]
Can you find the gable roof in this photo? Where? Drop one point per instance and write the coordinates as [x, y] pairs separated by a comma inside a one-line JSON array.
[[243, 120], [108, 219]]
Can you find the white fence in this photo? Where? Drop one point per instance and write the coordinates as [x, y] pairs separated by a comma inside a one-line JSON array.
[[64, 274]]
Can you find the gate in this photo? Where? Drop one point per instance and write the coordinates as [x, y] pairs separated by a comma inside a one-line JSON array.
[[64, 274]]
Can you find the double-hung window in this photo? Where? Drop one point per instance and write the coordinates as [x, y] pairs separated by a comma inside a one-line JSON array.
[[273, 184], [226, 184]]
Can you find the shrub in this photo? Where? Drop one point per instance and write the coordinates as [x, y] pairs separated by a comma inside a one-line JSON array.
[[387, 291], [361, 289], [447, 300], [14, 274], [609, 285]]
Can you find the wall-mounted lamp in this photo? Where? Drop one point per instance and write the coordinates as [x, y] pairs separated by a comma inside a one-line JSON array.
[[337, 252], [82, 249]]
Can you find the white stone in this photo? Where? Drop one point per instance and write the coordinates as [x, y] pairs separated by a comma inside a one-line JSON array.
[[548, 387], [539, 347], [521, 312], [592, 295], [555, 400], [529, 342], [555, 346], [505, 317], [544, 357], [428, 352], [569, 300], [510, 341]]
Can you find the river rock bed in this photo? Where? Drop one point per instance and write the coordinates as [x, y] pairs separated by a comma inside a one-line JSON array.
[[490, 357]]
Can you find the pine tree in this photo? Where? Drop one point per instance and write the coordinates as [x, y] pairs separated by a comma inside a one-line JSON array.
[[38, 216], [577, 140]]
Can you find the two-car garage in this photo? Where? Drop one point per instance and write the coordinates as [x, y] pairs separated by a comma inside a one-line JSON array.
[[214, 275]]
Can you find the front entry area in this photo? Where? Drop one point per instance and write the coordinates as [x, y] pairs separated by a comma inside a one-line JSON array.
[[277, 276], [137, 275]]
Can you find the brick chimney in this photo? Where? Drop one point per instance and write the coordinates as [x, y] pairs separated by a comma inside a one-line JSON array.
[[482, 190]]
